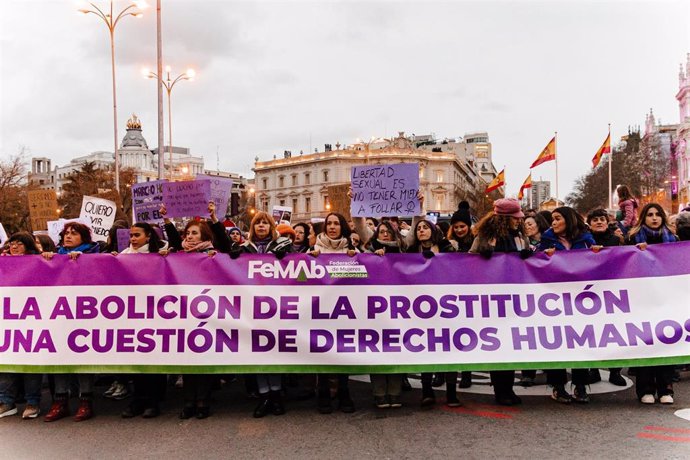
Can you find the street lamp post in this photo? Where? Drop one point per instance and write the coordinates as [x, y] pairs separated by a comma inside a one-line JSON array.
[[169, 83], [133, 9]]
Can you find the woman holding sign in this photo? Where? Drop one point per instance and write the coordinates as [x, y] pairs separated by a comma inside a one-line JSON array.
[[502, 231], [652, 228], [76, 240], [264, 239]]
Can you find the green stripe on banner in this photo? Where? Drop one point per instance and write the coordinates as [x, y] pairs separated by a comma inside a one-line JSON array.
[[350, 369]]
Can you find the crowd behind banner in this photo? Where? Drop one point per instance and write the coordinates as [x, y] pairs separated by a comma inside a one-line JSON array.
[[506, 229]]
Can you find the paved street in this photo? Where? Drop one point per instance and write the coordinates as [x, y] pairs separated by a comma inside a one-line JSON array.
[[614, 424]]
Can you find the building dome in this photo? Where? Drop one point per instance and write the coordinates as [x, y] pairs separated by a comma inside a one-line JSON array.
[[133, 137]]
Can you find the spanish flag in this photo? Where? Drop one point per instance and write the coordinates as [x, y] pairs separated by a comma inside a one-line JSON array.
[[499, 181], [526, 184], [605, 148], [548, 154]]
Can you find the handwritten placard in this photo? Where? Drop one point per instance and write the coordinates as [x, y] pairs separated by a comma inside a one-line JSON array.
[[147, 198], [221, 189], [42, 208], [99, 214], [385, 190], [187, 198]]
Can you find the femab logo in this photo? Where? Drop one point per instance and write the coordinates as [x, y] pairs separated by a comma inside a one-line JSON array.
[[294, 270]]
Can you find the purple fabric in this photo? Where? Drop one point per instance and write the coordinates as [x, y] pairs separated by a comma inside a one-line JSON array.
[[394, 269]]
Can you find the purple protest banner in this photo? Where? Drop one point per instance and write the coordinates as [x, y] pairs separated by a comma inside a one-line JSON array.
[[147, 198], [385, 190], [398, 313], [187, 198], [221, 189]]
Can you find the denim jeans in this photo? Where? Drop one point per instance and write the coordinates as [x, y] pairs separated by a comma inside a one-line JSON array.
[[32, 388]]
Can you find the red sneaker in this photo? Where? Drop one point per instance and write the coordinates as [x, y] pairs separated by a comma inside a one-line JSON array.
[[58, 410], [85, 410]]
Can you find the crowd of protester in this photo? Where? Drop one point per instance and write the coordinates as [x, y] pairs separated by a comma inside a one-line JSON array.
[[506, 229]]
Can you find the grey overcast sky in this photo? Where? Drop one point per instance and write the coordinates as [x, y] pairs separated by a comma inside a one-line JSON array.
[[274, 76]]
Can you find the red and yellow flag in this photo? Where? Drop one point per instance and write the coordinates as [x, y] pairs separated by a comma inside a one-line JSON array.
[[499, 181], [548, 154], [605, 148], [526, 184]]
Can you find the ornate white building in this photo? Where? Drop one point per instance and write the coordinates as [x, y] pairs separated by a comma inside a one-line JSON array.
[[302, 181], [682, 151]]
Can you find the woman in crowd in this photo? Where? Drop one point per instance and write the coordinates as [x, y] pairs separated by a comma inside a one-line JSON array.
[[627, 206], [264, 239], [148, 388], [652, 228], [235, 235], [44, 243], [301, 243], [384, 240], [604, 235], [76, 240], [426, 238], [197, 237], [501, 230], [460, 232], [534, 226], [21, 244], [568, 231], [334, 239]]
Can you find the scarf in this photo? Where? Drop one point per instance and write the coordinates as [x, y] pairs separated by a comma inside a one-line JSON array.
[[142, 250], [262, 245], [328, 246], [645, 233], [201, 246], [84, 247]]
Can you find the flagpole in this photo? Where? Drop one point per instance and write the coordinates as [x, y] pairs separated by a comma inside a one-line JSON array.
[[555, 149], [610, 159], [505, 184]]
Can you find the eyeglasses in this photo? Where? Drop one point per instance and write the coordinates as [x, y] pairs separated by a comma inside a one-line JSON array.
[[16, 243]]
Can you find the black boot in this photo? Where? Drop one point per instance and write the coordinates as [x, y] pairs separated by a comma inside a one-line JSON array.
[[265, 406], [346, 404], [277, 402], [465, 379], [615, 378], [594, 376], [452, 395], [439, 379], [406, 385]]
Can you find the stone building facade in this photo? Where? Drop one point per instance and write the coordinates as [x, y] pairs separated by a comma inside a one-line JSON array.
[[302, 181]]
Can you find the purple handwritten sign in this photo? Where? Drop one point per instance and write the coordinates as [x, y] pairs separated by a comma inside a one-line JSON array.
[[385, 190], [147, 198], [122, 239], [221, 188], [187, 198]]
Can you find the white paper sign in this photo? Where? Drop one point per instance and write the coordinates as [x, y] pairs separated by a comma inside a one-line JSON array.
[[3, 235], [99, 215]]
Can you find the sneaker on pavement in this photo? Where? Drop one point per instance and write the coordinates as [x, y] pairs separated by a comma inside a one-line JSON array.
[[120, 392], [30, 412], [381, 402], [666, 399], [395, 402], [647, 399], [7, 409], [109, 392]]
